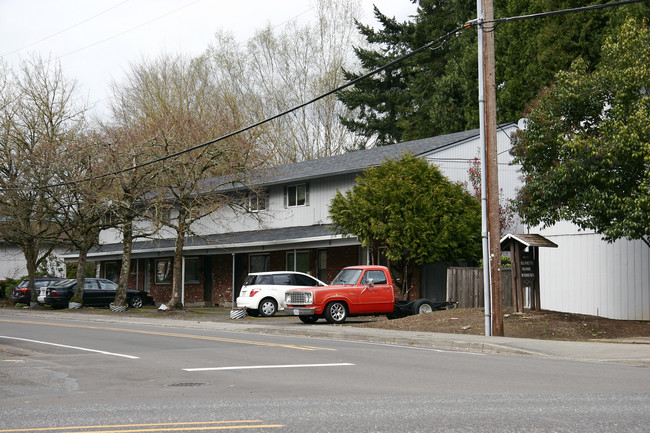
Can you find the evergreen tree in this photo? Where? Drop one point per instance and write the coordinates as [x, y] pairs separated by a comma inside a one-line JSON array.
[[435, 92], [415, 212]]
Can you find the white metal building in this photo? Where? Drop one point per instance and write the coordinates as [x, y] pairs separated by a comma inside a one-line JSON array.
[[585, 274]]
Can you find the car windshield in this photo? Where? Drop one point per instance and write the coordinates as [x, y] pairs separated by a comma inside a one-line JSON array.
[[347, 276]]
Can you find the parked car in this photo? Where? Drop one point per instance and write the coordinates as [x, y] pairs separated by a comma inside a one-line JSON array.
[[21, 294], [366, 290], [263, 292], [98, 292]]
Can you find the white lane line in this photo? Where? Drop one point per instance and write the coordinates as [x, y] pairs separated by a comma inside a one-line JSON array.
[[253, 367], [71, 347]]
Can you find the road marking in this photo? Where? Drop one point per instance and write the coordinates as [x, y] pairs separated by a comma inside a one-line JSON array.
[[253, 367], [205, 425], [172, 334], [71, 347]]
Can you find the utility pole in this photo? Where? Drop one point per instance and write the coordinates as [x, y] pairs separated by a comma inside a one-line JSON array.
[[490, 171]]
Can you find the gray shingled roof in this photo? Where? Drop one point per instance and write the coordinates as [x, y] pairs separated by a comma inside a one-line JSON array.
[[351, 162], [354, 162]]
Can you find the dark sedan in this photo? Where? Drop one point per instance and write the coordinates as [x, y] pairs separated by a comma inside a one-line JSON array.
[[98, 292], [21, 294]]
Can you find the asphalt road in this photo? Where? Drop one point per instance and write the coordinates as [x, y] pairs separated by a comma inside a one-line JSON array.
[[83, 375]]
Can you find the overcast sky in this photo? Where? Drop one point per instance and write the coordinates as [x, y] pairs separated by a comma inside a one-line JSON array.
[[96, 40]]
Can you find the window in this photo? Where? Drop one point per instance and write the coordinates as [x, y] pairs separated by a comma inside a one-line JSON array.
[[258, 263], [110, 219], [301, 261], [303, 280], [378, 277], [322, 265], [112, 271], [107, 285], [163, 271], [282, 279], [296, 195], [192, 270], [256, 201]]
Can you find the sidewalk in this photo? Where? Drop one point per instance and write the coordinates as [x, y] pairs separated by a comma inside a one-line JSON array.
[[633, 353]]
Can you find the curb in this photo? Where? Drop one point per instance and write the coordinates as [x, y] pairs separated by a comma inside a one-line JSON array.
[[629, 353]]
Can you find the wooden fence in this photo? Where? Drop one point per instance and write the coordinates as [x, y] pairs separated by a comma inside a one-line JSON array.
[[465, 286]]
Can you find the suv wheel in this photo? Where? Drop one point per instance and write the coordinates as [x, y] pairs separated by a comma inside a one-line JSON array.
[[268, 307]]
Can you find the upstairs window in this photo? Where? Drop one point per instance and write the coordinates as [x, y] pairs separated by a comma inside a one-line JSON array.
[[256, 201], [296, 195]]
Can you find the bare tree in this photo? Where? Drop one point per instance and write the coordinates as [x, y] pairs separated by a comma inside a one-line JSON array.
[[39, 115], [174, 104], [81, 200], [278, 71], [128, 202]]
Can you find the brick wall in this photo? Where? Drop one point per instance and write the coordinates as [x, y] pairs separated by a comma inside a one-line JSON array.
[[222, 265]]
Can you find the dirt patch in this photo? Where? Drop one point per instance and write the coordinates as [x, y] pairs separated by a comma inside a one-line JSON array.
[[545, 325]]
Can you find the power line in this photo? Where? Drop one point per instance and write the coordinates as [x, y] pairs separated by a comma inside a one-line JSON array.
[[429, 45], [566, 11], [262, 122], [65, 30], [129, 30], [400, 59]]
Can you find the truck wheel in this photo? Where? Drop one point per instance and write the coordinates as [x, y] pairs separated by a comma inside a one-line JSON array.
[[422, 306], [268, 307], [308, 319], [336, 312]]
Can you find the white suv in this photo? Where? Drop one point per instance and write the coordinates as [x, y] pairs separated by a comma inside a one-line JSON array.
[[263, 292]]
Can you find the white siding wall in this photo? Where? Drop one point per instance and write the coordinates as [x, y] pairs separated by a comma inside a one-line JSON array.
[[12, 264], [589, 276], [226, 220], [454, 162]]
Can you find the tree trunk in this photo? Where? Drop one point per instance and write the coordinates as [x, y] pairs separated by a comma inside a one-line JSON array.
[[123, 282], [30, 259], [81, 276], [176, 301]]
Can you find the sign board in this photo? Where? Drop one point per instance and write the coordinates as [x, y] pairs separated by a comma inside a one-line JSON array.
[[527, 268]]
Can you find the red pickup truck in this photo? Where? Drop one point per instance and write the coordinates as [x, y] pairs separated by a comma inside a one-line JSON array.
[[356, 291]]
